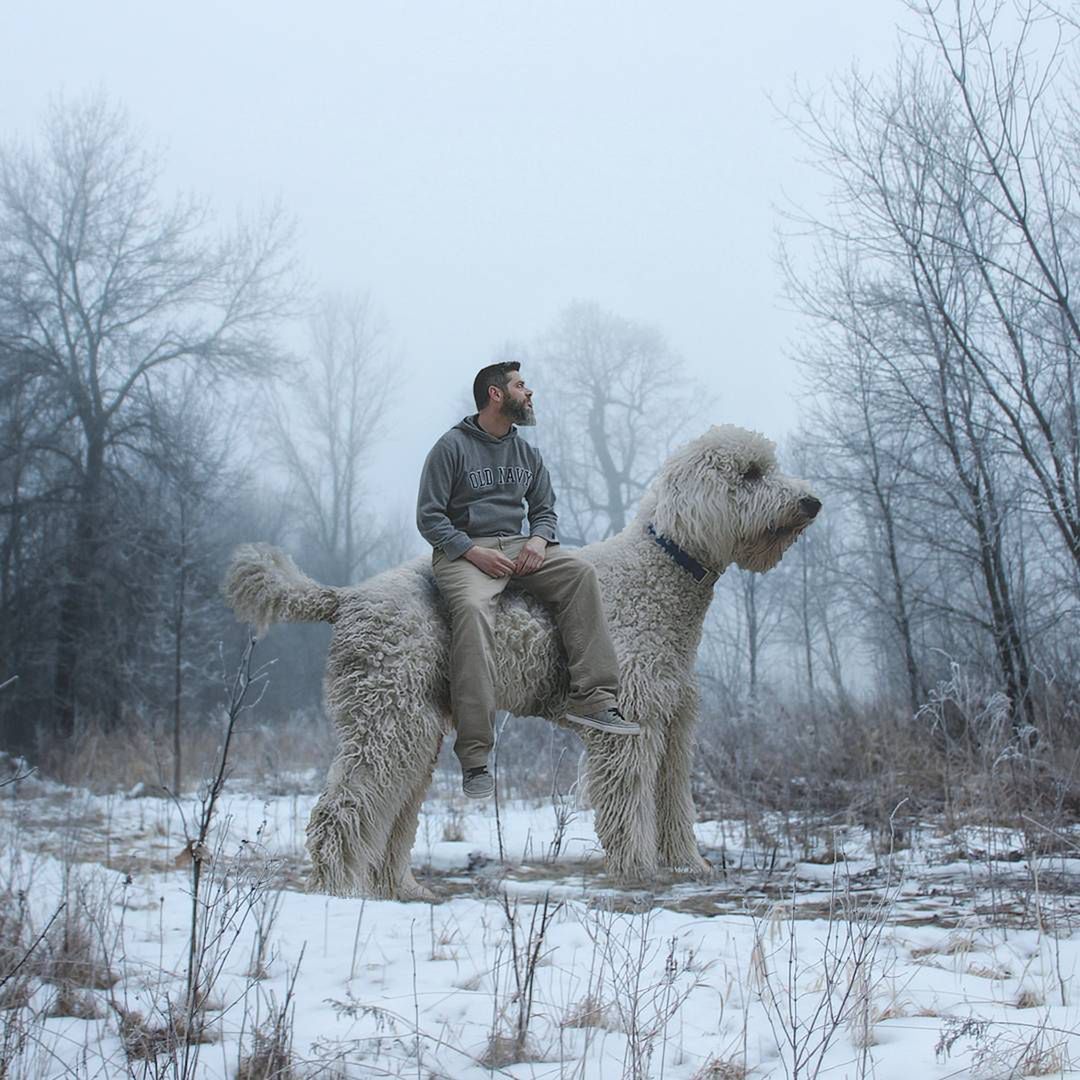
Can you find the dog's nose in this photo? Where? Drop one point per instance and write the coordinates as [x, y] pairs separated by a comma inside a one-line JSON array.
[[809, 506]]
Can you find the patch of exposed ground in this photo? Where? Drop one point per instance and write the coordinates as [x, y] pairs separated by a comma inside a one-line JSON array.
[[949, 879]]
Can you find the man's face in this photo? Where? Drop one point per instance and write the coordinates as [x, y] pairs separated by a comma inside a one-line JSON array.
[[517, 404]]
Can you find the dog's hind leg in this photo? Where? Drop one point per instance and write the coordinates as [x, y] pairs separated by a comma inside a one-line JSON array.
[[362, 828], [395, 876], [343, 834], [351, 823], [675, 813]]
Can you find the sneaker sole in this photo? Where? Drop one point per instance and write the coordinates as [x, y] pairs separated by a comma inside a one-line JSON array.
[[628, 728], [478, 795]]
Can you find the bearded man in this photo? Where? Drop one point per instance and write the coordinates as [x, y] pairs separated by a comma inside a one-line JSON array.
[[476, 482]]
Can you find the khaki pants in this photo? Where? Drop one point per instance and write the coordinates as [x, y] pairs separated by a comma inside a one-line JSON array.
[[565, 582]]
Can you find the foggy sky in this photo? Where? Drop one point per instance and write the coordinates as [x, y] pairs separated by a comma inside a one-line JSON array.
[[476, 165]]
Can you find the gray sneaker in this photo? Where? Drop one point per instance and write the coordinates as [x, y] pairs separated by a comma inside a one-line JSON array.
[[610, 720], [477, 783]]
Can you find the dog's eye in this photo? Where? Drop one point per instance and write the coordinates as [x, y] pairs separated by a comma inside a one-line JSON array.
[[751, 474]]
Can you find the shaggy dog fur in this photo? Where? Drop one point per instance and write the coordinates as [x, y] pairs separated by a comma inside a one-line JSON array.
[[721, 498]]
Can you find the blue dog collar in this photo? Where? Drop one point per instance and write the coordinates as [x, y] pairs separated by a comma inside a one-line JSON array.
[[701, 574]]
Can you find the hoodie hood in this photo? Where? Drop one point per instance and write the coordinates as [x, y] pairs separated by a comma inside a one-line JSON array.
[[471, 426]]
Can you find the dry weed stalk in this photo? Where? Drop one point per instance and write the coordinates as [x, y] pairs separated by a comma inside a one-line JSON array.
[[271, 1056], [1009, 1049], [205, 952], [565, 809], [16, 984], [507, 1047], [393, 1032], [845, 980], [267, 908], [644, 1009], [169, 1040]]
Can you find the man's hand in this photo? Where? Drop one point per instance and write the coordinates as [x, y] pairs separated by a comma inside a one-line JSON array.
[[531, 556], [491, 560]]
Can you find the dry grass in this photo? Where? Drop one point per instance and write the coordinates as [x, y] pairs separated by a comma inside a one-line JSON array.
[[78, 1004], [453, 829], [503, 1050], [865, 760], [72, 954], [20, 952], [289, 758], [16, 993], [1029, 999], [717, 1069], [271, 1058], [591, 1012], [985, 971], [136, 759], [13, 930], [148, 1039], [955, 945]]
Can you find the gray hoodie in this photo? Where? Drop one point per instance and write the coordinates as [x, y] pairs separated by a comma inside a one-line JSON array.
[[474, 484]]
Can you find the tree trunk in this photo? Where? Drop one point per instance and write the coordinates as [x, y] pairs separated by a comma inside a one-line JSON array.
[[901, 618], [750, 595], [616, 507], [178, 650], [76, 595], [985, 519], [807, 641]]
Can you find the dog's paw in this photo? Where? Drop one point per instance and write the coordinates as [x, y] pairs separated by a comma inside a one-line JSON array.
[[699, 868], [415, 893]]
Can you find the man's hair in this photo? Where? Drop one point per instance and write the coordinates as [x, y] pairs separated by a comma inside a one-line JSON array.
[[497, 375]]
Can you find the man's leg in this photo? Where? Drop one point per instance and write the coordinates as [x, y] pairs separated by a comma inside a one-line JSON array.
[[473, 599], [569, 585]]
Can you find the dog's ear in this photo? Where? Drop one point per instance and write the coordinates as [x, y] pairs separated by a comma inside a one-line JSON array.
[[693, 495]]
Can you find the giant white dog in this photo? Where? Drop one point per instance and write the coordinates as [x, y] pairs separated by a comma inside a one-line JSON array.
[[719, 500]]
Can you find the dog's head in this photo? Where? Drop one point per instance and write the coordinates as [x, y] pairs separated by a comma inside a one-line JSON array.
[[723, 499]]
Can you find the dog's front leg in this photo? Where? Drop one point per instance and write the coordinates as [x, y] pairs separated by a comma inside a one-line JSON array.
[[622, 790], [675, 811]]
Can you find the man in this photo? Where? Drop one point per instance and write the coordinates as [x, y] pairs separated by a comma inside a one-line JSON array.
[[475, 483]]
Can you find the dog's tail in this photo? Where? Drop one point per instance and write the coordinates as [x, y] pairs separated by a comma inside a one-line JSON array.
[[264, 586]]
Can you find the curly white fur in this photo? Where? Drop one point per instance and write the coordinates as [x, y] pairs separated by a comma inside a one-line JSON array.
[[721, 498]]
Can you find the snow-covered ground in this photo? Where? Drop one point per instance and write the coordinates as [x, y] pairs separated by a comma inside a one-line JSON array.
[[933, 955]]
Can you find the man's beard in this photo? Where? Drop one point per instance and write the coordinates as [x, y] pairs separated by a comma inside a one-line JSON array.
[[518, 412]]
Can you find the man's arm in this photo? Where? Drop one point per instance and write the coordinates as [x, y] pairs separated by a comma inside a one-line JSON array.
[[542, 520], [541, 499], [436, 487]]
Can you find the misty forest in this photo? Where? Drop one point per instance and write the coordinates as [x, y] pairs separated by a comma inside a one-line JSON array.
[[886, 758]]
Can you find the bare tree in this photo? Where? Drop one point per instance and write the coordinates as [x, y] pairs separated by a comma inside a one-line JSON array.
[[817, 621], [742, 624], [1014, 222], [103, 292], [324, 428], [189, 488], [620, 399], [759, 604], [860, 445], [945, 268]]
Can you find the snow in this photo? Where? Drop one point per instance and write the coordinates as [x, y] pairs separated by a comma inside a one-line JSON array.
[[957, 957]]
